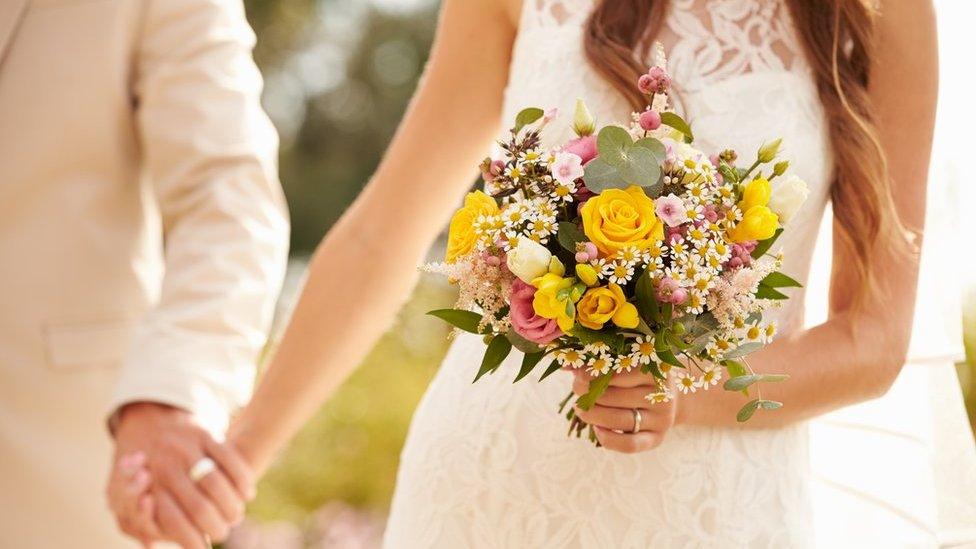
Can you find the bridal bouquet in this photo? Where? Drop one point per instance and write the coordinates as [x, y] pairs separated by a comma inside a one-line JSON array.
[[625, 248]]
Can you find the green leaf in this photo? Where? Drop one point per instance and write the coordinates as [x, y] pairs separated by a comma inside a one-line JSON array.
[[568, 235], [647, 304], [678, 123], [780, 280], [552, 368], [653, 369], [766, 292], [527, 116], [743, 350], [746, 412], [740, 383], [465, 320], [597, 387], [653, 145], [770, 405], [522, 344], [774, 378], [599, 175], [529, 362], [497, 350], [663, 349], [640, 168], [764, 245], [612, 144], [728, 172], [735, 368]]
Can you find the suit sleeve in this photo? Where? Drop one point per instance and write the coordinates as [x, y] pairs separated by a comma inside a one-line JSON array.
[[209, 152]]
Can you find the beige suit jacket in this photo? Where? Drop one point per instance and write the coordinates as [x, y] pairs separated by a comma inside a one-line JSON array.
[[143, 238]]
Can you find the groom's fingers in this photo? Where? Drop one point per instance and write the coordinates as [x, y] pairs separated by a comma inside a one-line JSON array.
[[176, 526], [195, 504], [233, 466]]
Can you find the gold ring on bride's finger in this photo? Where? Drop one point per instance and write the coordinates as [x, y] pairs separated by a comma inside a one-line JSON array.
[[637, 421]]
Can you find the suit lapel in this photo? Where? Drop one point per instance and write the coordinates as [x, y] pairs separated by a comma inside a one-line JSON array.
[[11, 13]]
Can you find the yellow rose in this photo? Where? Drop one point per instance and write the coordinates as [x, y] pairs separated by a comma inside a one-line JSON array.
[[461, 237], [758, 223], [601, 305], [547, 302], [615, 219], [756, 193]]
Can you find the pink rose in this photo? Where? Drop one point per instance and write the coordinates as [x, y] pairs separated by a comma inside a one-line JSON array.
[[583, 147], [524, 320]]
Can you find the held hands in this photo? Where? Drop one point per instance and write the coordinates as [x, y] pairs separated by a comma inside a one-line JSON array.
[[616, 412], [151, 491]]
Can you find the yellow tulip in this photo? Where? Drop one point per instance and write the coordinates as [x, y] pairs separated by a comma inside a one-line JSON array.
[[616, 219], [586, 273], [758, 223], [601, 305], [548, 304], [756, 193], [461, 237]]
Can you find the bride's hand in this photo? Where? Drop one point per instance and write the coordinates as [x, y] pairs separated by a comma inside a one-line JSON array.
[[614, 417]]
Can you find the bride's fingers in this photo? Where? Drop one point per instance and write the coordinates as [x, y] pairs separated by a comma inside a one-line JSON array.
[[581, 385], [623, 419], [632, 378], [628, 443], [626, 397]]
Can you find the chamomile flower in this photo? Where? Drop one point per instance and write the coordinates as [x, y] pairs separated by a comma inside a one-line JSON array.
[[599, 365], [563, 192], [660, 397], [696, 302], [532, 156], [515, 214], [514, 173], [618, 272], [697, 235], [711, 375], [632, 255], [626, 363], [597, 348], [542, 226], [509, 239], [696, 191], [678, 248], [570, 358], [695, 212], [687, 383], [643, 349]]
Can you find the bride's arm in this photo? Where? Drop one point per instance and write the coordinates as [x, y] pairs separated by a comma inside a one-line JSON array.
[[365, 267], [857, 354]]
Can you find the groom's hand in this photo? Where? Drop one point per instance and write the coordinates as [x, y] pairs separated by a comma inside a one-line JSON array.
[[186, 511]]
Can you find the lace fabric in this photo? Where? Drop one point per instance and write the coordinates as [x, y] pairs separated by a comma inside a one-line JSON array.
[[489, 465]]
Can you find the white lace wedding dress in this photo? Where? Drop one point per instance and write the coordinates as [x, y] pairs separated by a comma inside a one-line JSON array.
[[489, 464]]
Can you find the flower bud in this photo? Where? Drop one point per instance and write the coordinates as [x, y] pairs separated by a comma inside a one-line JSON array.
[[587, 274], [556, 267], [645, 84], [650, 120], [528, 260], [768, 151], [583, 122], [780, 167]]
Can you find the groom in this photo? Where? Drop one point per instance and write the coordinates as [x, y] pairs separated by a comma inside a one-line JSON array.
[[143, 237]]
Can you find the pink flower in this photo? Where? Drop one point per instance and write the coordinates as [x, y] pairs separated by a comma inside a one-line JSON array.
[[668, 291], [660, 80], [671, 210], [583, 147], [650, 120], [645, 84], [567, 168], [524, 320]]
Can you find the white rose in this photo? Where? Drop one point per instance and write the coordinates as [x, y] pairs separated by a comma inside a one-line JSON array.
[[529, 260], [787, 194]]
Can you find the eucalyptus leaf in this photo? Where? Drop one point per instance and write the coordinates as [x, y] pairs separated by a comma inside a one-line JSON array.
[[740, 383], [780, 280], [497, 350], [735, 368], [746, 412], [770, 405], [764, 245], [640, 168], [459, 318], [527, 116], [598, 386], [599, 175], [569, 235], [743, 350], [613, 144], [678, 123], [529, 362], [552, 368], [655, 146], [774, 378]]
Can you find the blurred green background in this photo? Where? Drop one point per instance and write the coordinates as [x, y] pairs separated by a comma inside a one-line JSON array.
[[338, 76]]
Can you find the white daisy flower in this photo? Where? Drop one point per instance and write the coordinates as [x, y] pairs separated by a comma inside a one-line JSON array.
[[711, 375], [643, 349], [563, 192], [695, 212], [532, 156], [599, 365], [633, 255], [626, 363], [618, 272], [660, 397], [571, 358], [687, 383], [514, 173], [597, 348]]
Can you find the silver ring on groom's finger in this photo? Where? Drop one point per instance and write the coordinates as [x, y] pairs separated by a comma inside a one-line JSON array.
[[203, 467], [637, 421]]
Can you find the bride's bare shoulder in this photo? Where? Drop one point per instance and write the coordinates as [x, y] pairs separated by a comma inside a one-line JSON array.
[[513, 10]]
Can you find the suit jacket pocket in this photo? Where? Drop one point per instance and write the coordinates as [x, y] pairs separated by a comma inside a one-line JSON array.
[[75, 346]]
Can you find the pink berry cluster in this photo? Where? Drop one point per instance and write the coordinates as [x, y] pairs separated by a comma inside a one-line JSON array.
[[741, 255], [655, 81]]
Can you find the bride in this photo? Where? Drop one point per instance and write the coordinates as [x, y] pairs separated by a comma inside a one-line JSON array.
[[852, 92]]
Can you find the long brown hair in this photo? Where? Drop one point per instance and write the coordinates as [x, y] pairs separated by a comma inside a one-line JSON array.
[[838, 39]]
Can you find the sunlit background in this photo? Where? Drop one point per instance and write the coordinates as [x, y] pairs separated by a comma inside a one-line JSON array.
[[338, 75]]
